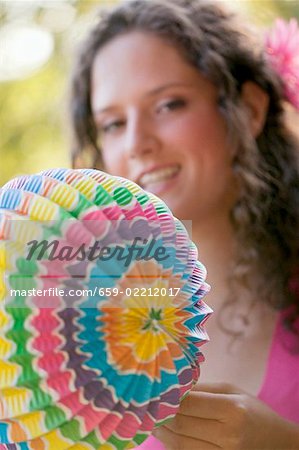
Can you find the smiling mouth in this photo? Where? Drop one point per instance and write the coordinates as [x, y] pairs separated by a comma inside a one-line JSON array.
[[158, 176]]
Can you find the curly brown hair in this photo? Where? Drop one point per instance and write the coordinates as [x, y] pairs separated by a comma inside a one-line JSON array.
[[266, 215]]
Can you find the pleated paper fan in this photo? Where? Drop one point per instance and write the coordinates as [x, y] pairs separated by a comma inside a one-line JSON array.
[[102, 368]]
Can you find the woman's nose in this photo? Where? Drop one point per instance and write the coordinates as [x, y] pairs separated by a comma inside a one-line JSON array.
[[141, 136]]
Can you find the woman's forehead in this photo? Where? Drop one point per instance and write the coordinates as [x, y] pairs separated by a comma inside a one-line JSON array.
[[139, 47], [141, 62]]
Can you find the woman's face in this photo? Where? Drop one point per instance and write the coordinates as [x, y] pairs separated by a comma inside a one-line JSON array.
[[159, 125]]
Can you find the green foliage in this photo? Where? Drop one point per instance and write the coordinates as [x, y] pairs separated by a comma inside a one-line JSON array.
[[31, 116], [33, 110]]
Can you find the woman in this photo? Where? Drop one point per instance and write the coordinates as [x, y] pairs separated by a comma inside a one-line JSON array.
[[172, 95]]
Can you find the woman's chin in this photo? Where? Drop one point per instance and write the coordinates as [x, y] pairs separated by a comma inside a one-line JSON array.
[[164, 188]]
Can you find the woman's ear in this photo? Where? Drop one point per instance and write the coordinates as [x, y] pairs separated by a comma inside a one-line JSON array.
[[257, 102]]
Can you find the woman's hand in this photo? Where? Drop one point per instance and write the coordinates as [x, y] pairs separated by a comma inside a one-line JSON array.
[[220, 416]]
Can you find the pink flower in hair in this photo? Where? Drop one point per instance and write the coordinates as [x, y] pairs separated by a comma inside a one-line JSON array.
[[282, 48]]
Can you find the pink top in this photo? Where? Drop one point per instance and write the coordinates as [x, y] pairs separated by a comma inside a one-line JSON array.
[[280, 388]]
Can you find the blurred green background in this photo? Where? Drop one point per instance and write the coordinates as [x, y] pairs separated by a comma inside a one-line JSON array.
[[37, 43]]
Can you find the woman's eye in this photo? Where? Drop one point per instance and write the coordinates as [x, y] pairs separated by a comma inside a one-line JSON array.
[[172, 105], [110, 127]]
